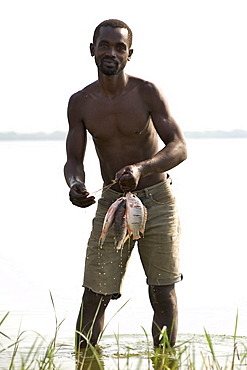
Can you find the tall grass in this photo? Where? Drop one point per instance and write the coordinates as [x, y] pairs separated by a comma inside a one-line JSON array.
[[36, 357], [44, 356]]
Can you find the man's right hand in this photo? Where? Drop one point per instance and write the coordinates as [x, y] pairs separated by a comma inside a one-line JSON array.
[[79, 196]]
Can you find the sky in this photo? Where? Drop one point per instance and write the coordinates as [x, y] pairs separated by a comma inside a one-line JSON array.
[[195, 51]]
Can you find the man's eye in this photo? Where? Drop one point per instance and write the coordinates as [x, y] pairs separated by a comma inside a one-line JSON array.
[[121, 48]]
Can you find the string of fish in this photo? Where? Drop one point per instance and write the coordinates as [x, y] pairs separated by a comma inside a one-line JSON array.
[[128, 216]]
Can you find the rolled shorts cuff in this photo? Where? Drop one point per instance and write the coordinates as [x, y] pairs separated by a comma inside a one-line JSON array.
[[115, 295], [164, 281]]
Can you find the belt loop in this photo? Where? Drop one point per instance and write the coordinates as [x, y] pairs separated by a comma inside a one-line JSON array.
[[146, 193]]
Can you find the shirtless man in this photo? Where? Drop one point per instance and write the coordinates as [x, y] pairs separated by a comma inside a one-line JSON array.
[[125, 116]]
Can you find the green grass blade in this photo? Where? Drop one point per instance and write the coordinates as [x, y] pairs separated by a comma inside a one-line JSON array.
[[236, 326], [5, 335], [1, 322], [210, 344], [235, 350], [93, 350], [3, 319], [112, 318]]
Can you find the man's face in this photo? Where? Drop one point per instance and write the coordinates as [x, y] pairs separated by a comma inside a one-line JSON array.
[[111, 50]]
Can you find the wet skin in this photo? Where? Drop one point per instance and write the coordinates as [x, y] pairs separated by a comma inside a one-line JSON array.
[[125, 116]]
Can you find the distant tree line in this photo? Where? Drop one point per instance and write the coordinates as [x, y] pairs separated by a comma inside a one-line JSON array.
[[218, 134], [60, 135], [56, 135]]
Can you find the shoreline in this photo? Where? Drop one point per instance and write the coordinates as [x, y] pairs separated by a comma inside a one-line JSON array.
[[61, 135]]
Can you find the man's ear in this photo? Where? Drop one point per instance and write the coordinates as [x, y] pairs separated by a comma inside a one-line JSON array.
[[130, 53], [92, 49]]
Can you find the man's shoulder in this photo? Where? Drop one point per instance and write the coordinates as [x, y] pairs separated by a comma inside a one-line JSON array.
[[145, 88], [144, 85], [80, 98], [83, 93], [140, 81]]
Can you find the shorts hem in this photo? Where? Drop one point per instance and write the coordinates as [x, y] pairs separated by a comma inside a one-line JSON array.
[[115, 295], [164, 281]]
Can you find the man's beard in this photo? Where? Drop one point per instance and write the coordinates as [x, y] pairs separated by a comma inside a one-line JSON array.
[[109, 71]]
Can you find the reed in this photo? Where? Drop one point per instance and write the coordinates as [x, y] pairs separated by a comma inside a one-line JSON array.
[[44, 356]]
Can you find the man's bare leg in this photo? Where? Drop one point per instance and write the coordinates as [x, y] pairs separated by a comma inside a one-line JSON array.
[[90, 320], [164, 302]]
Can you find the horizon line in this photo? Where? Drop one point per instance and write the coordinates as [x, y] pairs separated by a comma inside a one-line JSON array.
[[61, 135]]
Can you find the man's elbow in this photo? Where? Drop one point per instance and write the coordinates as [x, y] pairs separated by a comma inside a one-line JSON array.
[[183, 152]]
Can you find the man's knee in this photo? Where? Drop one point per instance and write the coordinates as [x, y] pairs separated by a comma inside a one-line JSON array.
[[163, 295], [94, 300], [90, 297]]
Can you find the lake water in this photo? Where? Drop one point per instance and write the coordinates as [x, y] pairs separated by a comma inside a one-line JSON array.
[[43, 242]]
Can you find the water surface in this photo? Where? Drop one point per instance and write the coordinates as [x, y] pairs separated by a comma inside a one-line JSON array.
[[43, 242]]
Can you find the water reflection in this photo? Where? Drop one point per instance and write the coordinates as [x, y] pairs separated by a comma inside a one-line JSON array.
[[90, 359], [90, 363], [157, 359]]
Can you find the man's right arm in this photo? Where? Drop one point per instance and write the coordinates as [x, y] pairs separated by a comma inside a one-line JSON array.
[[75, 147]]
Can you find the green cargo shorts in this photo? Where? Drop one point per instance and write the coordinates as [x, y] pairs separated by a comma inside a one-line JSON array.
[[158, 249]]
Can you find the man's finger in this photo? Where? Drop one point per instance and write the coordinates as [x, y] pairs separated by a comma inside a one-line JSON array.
[[82, 201]]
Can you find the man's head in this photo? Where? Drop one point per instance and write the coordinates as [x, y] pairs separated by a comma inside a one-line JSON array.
[[111, 46], [114, 23]]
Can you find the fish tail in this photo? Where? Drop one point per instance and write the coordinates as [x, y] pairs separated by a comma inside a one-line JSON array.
[[101, 242], [136, 235], [119, 244]]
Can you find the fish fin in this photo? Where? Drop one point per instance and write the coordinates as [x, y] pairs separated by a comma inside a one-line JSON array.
[[145, 213], [101, 242], [126, 238], [136, 235], [129, 229]]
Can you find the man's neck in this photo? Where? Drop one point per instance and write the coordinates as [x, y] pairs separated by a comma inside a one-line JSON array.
[[112, 86]]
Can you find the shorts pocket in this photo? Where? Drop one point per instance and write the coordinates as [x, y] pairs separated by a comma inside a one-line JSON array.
[[163, 197], [161, 200], [104, 203]]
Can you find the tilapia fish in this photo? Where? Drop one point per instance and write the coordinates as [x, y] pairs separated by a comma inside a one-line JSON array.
[[136, 214], [109, 220], [120, 225], [128, 215]]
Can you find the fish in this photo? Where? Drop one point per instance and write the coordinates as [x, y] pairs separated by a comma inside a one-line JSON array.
[[109, 220], [120, 225], [136, 216], [129, 216]]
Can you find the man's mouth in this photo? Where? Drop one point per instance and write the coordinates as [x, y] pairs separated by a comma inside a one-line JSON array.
[[109, 63]]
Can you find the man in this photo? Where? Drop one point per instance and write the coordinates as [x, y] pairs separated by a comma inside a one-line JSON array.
[[125, 116]]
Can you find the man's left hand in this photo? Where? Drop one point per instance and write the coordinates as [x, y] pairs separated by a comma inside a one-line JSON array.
[[128, 178]]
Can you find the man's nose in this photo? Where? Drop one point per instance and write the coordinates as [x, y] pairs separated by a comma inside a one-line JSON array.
[[110, 51]]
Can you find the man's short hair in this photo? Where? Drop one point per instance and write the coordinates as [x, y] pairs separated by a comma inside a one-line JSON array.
[[115, 23]]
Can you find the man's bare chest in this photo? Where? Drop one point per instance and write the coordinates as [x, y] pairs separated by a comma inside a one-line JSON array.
[[105, 117]]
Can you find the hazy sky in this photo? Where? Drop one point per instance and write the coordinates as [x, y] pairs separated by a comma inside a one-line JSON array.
[[194, 50]]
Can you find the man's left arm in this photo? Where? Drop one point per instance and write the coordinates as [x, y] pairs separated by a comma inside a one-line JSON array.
[[174, 151]]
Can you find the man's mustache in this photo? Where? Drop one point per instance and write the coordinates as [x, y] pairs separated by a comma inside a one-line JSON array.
[[109, 58]]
